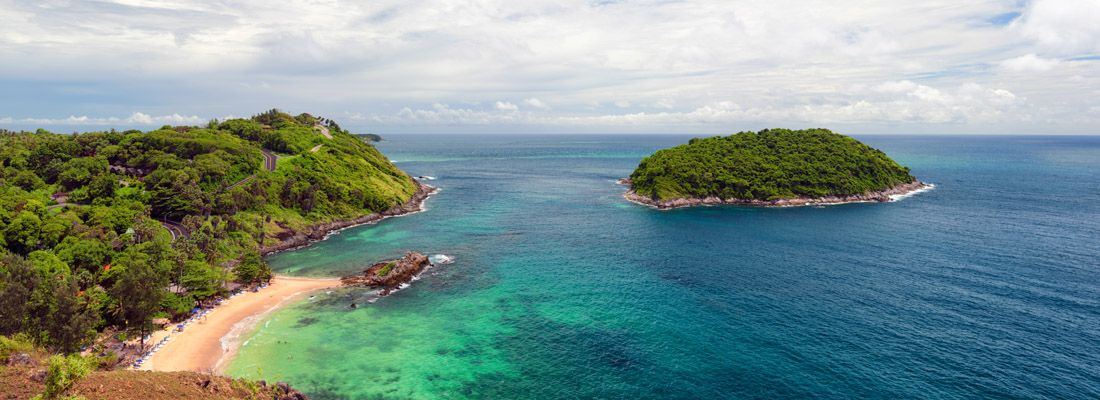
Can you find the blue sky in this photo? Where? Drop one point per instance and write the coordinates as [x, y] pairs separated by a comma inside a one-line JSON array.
[[656, 66]]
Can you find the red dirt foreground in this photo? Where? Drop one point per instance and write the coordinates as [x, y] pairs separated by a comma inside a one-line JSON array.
[[22, 376]]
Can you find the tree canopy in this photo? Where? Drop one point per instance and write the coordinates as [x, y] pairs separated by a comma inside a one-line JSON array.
[[767, 165], [84, 218]]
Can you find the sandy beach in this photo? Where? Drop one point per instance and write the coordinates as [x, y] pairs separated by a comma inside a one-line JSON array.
[[200, 346]]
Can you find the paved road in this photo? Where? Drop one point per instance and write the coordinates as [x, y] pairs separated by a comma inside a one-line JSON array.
[[59, 205], [240, 182], [270, 160], [324, 130], [177, 230]]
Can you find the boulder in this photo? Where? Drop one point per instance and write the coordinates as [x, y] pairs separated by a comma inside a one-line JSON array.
[[389, 275]]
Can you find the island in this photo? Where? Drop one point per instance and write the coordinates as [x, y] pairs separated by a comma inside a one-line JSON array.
[[772, 167]]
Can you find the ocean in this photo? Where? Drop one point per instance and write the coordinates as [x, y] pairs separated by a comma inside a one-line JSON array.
[[987, 286]]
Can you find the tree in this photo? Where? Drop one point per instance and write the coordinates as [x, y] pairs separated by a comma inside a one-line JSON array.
[[82, 254], [252, 269], [200, 279], [70, 324], [18, 280], [27, 180], [79, 171], [176, 305], [138, 292], [103, 186], [174, 194], [23, 232], [53, 229], [213, 166]]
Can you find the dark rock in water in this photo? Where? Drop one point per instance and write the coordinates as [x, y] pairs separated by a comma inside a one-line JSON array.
[[307, 321], [389, 275]]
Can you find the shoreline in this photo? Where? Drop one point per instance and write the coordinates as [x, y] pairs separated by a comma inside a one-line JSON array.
[[882, 196], [319, 232], [209, 345], [203, 345]]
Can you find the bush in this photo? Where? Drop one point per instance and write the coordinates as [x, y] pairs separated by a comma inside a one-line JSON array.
[[62, 373], [386, 270], [14, 345]]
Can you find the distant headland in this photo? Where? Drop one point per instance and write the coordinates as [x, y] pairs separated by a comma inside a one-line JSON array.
[[773, 167]]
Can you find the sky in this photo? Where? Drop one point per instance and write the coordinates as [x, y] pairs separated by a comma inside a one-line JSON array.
[[564, 66]]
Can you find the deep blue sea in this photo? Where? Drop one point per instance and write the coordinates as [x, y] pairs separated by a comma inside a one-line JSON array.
[[987, 286]]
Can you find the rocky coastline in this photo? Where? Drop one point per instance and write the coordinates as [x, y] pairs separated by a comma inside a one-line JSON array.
[[878, 196], [390, 275], [295, 239]]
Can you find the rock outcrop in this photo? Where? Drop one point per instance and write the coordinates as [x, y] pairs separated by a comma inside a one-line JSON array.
[[879, 196], [390, 275]]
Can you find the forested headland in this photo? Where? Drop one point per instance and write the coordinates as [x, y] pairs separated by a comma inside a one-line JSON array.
[[104, 231]]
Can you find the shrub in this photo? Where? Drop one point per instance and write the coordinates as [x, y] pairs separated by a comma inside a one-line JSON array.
[[62, 373]]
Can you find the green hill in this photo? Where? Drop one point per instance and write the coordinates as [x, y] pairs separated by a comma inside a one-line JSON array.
[[767, 165], [96, 227]]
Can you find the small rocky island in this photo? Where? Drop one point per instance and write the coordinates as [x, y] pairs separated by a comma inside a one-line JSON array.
[[773, 167], [390, 275]]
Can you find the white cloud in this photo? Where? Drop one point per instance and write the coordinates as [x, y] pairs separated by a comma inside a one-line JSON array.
[[536, 103], [1065, 27], [907, 63], [667, 104], [1028, 63], [136, 118], [885, 103], [506, 106]]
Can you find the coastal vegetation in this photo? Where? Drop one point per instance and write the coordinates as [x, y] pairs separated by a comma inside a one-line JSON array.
[[105, 231], [769, 165]]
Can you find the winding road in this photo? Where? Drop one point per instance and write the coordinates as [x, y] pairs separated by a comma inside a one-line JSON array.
[[60, 205], [270, 162], [175, 229], [324, 131]]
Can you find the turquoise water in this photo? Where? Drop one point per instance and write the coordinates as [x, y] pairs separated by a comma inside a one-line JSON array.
[[986, 287]]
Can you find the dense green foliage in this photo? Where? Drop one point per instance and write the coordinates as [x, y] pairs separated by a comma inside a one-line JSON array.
[[767, 165], [84, 243]]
